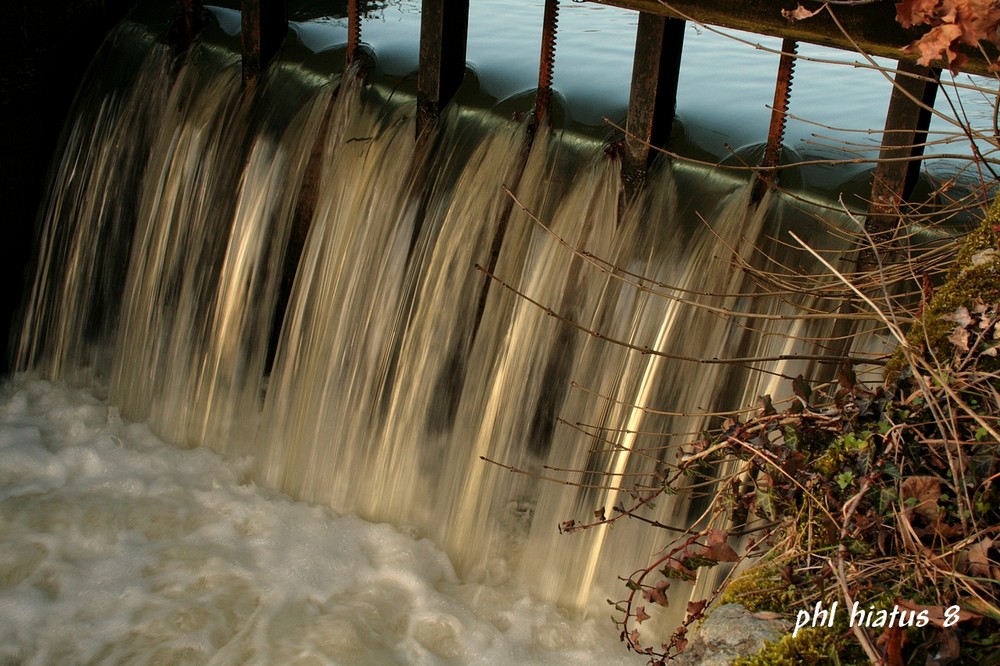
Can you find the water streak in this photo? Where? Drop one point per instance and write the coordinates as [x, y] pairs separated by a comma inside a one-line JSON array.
[[392, 378]]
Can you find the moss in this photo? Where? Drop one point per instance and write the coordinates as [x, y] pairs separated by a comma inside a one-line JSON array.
[[974, 275], [808, 646], [761, 588]]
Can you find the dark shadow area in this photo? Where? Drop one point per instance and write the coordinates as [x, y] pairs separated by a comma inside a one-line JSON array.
[[45, 47]]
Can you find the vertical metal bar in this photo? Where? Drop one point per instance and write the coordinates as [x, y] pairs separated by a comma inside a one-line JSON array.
[[186, 26], [779, 116], [191, 17], [264, 24], [656, 68], [906, 122], [444, 32], [547, 59], [353, 29]]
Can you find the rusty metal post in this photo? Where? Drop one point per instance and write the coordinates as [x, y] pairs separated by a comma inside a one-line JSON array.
[[546, 60], [264, 24], [898, 168], [444, 32], [191, 17], [653, 96], [779, 117], [188, 24], [353, 29], [906, 123]]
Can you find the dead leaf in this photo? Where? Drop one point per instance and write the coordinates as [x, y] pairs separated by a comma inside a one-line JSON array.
[[721, 552], [979, 560], [910, 13], [764, 406], [936, 614], [695, 608], [960, 316], [801, 388], [658, 593], [982, 607], [926, 490], [984, 257], [640, 614], [953, 22], [891, 642], [766, 615], [799, 13], [714, 536], [937, 44], [949, 650], [960, 338]]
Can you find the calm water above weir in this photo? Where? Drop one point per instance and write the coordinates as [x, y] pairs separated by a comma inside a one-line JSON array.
[[358, 366]]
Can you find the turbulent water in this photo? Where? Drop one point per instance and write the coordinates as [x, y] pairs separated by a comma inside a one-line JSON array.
[[289, 278], [120, 548]]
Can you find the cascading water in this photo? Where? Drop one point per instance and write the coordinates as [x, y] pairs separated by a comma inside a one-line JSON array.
[[395, 374]]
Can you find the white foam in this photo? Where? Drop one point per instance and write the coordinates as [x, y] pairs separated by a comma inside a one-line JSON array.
[[121, 548]]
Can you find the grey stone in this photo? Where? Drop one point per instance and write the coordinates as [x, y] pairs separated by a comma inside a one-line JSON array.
[[728, 632]]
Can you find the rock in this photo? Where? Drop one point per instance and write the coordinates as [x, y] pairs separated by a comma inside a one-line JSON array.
[[730, 631]]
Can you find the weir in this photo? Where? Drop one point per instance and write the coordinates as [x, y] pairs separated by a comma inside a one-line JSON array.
[[288, 266], [867, 26]]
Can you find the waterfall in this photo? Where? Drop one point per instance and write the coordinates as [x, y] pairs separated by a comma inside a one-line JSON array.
[[381, 377]]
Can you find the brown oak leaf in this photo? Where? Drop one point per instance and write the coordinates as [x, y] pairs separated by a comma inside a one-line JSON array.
[[938, 44], [953, 22], [925, 490]]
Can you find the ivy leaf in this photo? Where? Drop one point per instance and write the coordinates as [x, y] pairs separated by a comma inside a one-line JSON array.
[[658, 593], [846, 376], [696, 608], [801, 389], [765, 407], [717, 548], [640, 614], [845, 479], [714, 536]]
